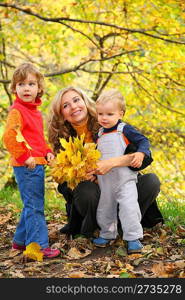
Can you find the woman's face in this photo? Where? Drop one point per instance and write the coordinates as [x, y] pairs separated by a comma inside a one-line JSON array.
[[73, 108]]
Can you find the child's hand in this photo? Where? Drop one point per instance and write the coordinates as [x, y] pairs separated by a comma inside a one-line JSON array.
[[137, 159], [30, 162], [50, 157]]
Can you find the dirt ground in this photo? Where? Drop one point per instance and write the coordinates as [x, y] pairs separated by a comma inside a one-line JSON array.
[[163, 255]]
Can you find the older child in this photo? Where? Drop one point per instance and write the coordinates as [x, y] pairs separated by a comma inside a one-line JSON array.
[[118, 186], [24, 139]]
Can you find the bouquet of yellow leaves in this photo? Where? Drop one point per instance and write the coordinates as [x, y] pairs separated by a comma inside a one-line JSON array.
[[72, 163]]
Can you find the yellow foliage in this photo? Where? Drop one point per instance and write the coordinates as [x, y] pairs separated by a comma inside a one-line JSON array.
[[33, 251], [20, 138], [73, 163]]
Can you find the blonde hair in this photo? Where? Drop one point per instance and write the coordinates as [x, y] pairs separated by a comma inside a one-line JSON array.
[[20, 74], [58, 127], [113, 96]]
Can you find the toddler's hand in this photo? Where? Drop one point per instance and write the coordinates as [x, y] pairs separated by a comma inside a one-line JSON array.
[[30, 162], [137, 159], [50, 157]]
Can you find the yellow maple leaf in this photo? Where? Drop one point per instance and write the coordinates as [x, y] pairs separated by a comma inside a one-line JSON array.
[[73, 162], [20, 138], [33, 251]]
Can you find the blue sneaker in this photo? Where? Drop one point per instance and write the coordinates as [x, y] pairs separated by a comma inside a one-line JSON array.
[[101, 242], [134, 246]]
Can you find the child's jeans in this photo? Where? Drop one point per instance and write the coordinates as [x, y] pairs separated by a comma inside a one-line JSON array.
[[32, 226]]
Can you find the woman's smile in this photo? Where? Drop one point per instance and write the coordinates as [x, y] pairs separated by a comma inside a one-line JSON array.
[[73, 108]]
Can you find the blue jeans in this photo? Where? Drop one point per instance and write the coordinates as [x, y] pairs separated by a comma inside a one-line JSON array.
[[32, 226]]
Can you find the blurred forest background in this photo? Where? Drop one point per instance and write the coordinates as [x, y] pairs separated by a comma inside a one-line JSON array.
[[136, 46]]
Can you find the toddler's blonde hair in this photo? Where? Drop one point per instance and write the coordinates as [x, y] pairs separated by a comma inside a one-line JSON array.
[[113, 96]]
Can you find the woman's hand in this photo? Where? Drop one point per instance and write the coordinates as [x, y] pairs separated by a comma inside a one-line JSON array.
[[91, 175]]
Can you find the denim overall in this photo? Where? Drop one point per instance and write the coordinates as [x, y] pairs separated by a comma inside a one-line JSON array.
[[118, 187]]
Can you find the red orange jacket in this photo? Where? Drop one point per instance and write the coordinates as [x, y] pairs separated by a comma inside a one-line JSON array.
[[24, 133]]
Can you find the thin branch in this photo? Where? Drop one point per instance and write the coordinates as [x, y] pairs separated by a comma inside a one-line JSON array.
[[60, 20], [95, 96], [152, 96], [3, 67], [3, 81], [82, 33], [78, 67], [108, 72]]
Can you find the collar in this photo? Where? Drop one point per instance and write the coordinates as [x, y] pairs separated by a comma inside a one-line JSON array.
[[107, 130], [29, 105]]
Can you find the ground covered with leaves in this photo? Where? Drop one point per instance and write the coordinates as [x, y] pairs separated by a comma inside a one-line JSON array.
[[163, 255]]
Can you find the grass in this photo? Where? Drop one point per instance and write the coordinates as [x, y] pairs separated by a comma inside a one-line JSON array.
[[54, 202], [172, 211]]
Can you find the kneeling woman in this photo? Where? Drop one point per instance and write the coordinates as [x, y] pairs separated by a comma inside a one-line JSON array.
[[72, 113]]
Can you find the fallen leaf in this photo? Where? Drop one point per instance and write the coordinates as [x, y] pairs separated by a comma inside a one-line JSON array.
[[14, 252], [137, 261], [108, 267], [182, 274], [159, 270], [6, 264], [5, 219], [74, 253], [17, 274], [134, 256], [77, 275], [181, 229], [163, 236], [121, 251], [33, 251], [118, 263], [53, 233], [180, 264], [113, 276], [160, 251], [125, 275]]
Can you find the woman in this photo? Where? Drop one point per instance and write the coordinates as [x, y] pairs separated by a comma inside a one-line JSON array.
[[73, 113]]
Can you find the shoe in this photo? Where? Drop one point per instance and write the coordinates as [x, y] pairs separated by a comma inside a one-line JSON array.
[[65, 229], [50, 253], [101, 242], [18, 247], [134, 247]]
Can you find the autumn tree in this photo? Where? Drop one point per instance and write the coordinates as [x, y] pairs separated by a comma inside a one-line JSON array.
[[135, 46]]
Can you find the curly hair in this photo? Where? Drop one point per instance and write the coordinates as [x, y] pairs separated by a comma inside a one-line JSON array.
[[59, 128], [20, 74]]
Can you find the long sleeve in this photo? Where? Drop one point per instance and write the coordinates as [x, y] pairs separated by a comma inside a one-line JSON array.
[[138, 139], [18, 150], [139, 143]]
